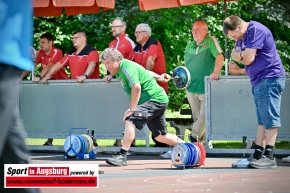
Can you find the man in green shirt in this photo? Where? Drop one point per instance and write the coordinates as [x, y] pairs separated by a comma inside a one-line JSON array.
[[203, 57], [148, 102]]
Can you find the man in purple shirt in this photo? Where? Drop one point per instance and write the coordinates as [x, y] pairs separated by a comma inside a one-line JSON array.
[[256, 49]]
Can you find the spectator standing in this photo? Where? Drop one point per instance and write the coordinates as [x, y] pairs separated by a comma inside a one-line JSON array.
[[125, 45], [203, 57], [256, 49], [149, 54], [83, 60], [47, 56], [122, 42]]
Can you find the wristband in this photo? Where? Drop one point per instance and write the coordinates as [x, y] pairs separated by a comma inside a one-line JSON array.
[[129, 110]]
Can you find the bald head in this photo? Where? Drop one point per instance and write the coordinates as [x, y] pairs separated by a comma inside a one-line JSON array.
[[199, 31], [201, 25]]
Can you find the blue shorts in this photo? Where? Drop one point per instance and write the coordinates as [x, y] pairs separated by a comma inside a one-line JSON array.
[[152, 113], [267, 95]]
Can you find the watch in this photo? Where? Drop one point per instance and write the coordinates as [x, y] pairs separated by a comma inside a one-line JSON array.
[[85, 75]]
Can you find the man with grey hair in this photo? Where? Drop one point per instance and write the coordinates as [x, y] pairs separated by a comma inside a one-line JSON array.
[[203, 57], [149, 54], [255, 48], [125, 45], [148, 102], [122, 42]]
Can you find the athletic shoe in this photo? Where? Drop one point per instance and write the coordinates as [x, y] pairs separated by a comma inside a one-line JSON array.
[[251, 157], [117, 160], [243, 163], [47, 144], [208, 145], [263, 163], [253, 145], [166, 155], [191, 139], [286, 159]]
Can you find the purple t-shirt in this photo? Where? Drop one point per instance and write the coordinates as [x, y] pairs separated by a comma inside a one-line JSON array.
[[267, 63]]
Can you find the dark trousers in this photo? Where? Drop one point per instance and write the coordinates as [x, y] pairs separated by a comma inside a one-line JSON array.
[[12, 139]]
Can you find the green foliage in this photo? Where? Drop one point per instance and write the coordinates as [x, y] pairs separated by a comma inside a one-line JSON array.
[[172, 27]]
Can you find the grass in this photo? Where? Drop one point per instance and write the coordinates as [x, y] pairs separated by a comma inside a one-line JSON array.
[[142, 143], [231, 144]]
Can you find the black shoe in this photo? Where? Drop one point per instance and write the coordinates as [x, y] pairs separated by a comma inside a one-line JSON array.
[[253, 145], [47, 144], [263, 163], [117, 160], [191, 139]]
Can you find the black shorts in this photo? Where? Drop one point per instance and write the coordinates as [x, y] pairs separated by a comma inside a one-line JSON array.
[[152, 113]]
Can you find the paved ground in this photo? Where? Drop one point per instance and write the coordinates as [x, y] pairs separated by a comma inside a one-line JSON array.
[[149, 174]]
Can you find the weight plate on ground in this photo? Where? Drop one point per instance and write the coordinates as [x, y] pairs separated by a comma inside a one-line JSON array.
[[74, 142]]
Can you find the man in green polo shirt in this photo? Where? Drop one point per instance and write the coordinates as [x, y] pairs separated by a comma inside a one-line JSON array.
[[148, 102], [203, 57]]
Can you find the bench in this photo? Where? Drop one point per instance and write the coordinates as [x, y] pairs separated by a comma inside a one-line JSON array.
[[181, 124]]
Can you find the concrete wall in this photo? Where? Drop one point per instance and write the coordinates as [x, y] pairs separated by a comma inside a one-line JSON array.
[[52, 110]]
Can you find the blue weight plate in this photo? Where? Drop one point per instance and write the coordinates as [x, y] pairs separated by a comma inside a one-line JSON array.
[[74, 142], [193, 150], [181, 77], [82, 150], [189, 154], [84, 144], [186, 160], [193, 153], [179, 155], [197, 154]]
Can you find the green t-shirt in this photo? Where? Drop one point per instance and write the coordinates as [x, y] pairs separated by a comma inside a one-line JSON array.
[[131, 73], [200, 61]]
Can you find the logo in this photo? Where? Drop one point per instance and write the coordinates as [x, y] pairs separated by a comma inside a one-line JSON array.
[[51, 176]]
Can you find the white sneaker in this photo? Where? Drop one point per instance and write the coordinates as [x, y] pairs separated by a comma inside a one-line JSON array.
[[286, 159], [166, 155], [243, 163], [208, 145]]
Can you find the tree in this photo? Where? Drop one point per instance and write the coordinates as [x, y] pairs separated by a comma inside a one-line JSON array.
[[172, 27]]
